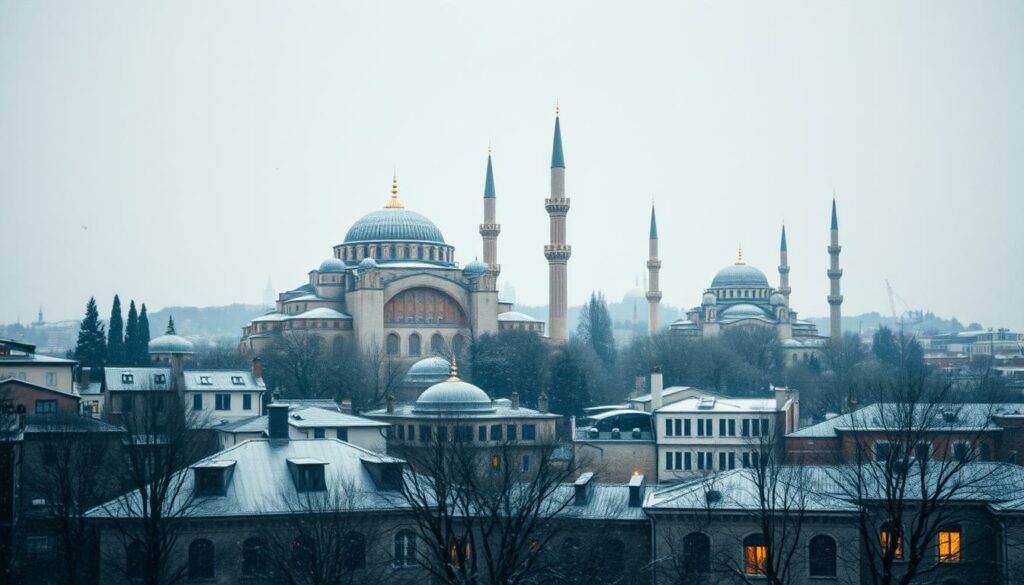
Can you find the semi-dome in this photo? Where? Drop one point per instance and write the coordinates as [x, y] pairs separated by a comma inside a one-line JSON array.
[[367, 264], [742, 311], [777, 299], [394, 225], [332, 265], [171, 344], [475, 268], [453, 395], [740, 276], [433, 369]]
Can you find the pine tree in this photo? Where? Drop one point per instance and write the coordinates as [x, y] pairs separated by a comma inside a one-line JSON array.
[[170, 326], [144, 336], [91, 349], [115, 335], [131, 337], [569, 385]]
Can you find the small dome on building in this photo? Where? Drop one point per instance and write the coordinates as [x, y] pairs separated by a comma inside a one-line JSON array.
[[453, 395], [171, 344], [743, 311], [367, 264], [740, 276], [332, 265], [475, 268], [709, 299], [777, 299], [432, 369]]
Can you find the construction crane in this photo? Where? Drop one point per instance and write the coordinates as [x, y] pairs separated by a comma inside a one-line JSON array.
[[892, 301], [915, 316]]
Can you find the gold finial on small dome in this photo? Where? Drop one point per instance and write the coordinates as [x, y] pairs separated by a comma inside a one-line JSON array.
[[394, 203], [739, 255], [454, 377], [557, 108]]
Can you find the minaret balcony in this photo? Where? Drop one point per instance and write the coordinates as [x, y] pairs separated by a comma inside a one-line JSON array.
[[557, 205], [835, 300], [783, 269], [654, 264], [835, 249], [653, 295], [490, 230], [557, 252], [835, 272]]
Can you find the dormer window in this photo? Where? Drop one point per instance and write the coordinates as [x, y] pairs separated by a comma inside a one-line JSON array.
[[205, 381], [160, 378], [127, 378], [212, 477], [308, 474], [237, 381]]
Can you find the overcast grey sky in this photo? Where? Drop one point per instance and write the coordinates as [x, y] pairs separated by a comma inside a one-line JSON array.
[[182, 152]]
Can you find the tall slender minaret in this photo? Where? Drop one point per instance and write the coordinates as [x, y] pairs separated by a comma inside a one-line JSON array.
[[835, 300], [653, 266], [490, 228], [557, 252], [784, 288]]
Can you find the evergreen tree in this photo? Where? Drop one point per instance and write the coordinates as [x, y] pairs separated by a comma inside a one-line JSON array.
[[886, 347], [115, 335], [170, 326], [144, 336], [131, 337], [595, 328], [569, 387], [91, 349]]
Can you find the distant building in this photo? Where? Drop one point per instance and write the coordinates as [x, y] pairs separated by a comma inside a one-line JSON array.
[[20, 361], [309, 422]]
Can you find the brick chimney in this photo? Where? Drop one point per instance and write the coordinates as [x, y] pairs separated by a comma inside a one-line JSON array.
[[656, 388], [636, 491], [83, 377], [277, 425], [391, 404], [542, 402]]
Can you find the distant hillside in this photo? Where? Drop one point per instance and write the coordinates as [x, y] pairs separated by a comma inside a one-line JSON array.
[[913, 322]]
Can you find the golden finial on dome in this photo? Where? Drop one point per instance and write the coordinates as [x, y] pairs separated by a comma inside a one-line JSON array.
[[394, 203], [454, 377], [557, 108], [739, 255]]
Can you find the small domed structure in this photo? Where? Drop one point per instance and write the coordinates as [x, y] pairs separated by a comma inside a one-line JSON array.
[[432, 369], [171, 343], [368, 264], [709, 299], [452, 396], [742, 311], [475, 269], [332, 265], [777, 299]]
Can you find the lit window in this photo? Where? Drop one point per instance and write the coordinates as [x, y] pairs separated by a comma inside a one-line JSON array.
[[495, 461], [755, 554], [892, 542], [949, 545], [205, 381]]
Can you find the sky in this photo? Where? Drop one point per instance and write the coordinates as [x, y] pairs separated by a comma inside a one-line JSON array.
[[182, 153]]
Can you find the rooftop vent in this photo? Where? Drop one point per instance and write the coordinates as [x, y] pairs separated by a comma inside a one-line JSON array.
[[581, 488], [636, 491], [706, 403], [949, 416]]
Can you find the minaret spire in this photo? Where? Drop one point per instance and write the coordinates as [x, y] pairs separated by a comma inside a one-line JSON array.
[[557, 252], [835, 298], [653, 268], [784, 288], [490, 228]]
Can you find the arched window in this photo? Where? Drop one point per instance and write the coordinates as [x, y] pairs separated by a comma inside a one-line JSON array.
[[822, 556], [423, 305], [612, 555], [696, 553], [436, 344], [414, 344], [755, 554], [200, 559], [135, 560], [892, 541], [458, 344], [254, 560], [354, 556], [392, 344], [405, 549]]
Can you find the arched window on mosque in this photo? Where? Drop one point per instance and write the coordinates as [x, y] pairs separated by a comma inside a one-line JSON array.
[[437, 344], [414, 344], [392, 344], [458, 344], [423, 306]]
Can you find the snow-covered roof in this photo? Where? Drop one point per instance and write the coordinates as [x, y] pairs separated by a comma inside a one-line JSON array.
[[222, 381], [719, 404], [948, 417], [321, 313], [516, 317]]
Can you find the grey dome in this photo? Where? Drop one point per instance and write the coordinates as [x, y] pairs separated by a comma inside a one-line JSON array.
[[740, 276], [367, 264], [394, 224], [453, 395], [171, 344], [332, 265], [777, 299], [474, 268], [742, 311], [709, 299], [432, 369]]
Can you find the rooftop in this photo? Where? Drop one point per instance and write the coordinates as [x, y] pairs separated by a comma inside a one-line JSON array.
[[947, 417]]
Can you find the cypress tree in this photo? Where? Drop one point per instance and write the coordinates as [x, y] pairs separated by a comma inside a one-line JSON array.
[[131, 337], [595, 328], [144, 336], [91, 349], [170, 326], [115, 335]]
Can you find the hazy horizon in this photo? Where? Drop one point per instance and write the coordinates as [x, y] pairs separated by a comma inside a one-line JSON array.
[[180, 154]]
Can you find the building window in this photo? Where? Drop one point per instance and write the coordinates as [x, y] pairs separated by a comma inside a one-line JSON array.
[[481, 433], [721, 427], [200, 559], [51, 378], [822, 556], [668, 460], [696, 553], [254, 560], [319, 433], [961, 451], [223, 402], [746, 427], [392, 345], [247, 402], [526, 463], [883, 451], [425, 433], [126, 404], [612, 555], [495, 461], [678, 427], [686, 428], [529, 432], [354, 556], [436, 344], [922, 452], [405, 549], [755, 554], [127, 378], [949, 544], [496, 432], [892, 541], [414, 344], [205, 381], [687, 461], [511, 432], [237, 381], [343, 434], [668, 427], [46, 407], [197, 402], [159, 378], [400, 432]]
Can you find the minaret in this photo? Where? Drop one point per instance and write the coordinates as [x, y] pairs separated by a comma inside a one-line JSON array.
[[784, 288], [557, 252], [835, 300], [490, 228], [653, 266]]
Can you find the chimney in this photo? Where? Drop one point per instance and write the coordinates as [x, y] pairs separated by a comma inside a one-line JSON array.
[[177, 362], [581, 489], [656, 388], [83, 377], [638, 386], [277, 427], [391, 403], [515, 400], [257, 369], [542, 402], [636, 491]]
